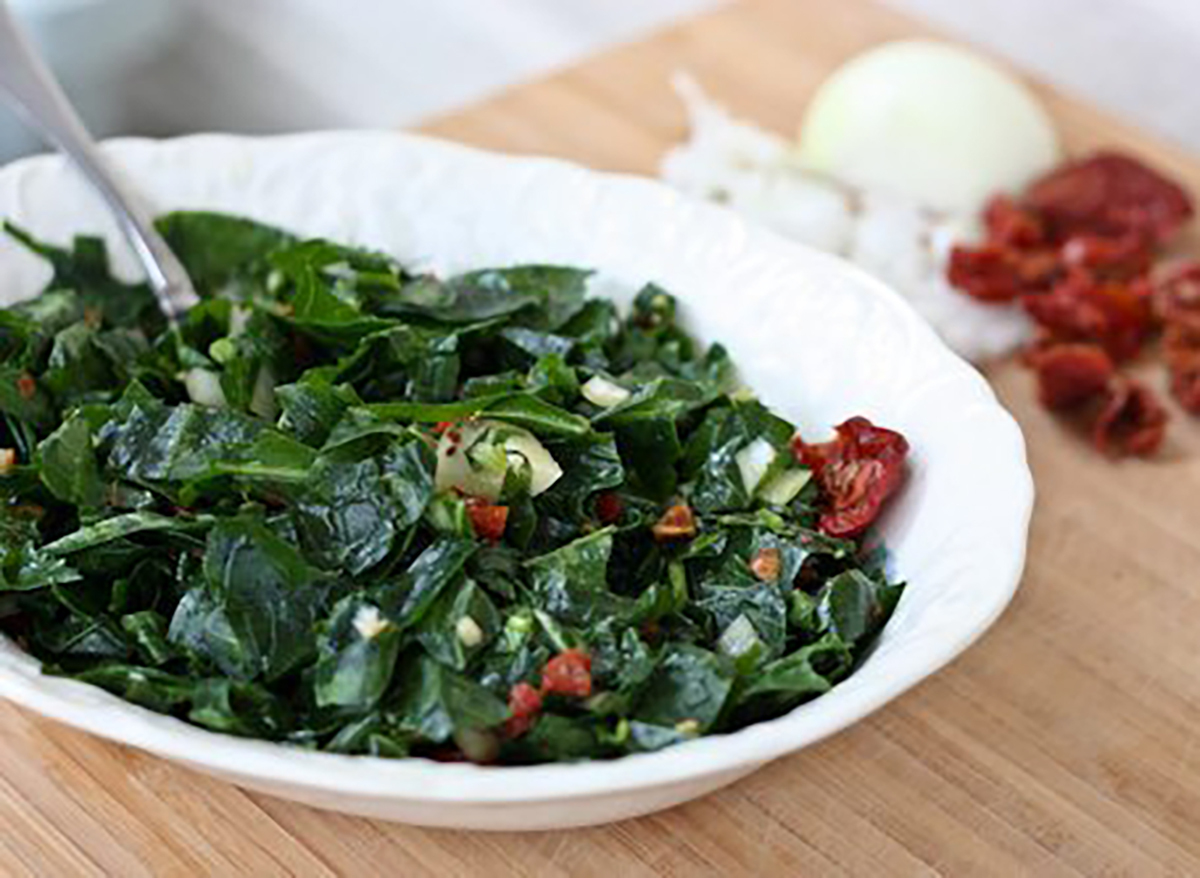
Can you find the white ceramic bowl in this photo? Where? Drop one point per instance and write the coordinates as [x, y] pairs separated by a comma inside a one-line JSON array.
[[818, 339]]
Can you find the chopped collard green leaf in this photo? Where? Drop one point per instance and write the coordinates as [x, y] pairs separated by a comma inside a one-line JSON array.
[[352, 508]]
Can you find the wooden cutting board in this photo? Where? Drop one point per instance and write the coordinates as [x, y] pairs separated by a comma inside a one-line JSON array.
[[1065, 742]]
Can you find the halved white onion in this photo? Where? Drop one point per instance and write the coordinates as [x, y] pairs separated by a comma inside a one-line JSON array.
[[929, 121]]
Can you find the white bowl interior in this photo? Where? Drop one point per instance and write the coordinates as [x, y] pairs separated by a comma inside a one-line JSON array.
[[818, 339]]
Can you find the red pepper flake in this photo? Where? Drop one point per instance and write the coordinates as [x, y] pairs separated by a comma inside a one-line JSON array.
[[487, 519], [1072, 373], [26, 386], [568, 673], [677, 523], [857, 472], [767, 564], [1132, 421], [524, 703], [441, 427], [609, 507]]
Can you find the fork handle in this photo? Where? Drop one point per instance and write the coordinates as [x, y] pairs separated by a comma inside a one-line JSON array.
[[36, 94]]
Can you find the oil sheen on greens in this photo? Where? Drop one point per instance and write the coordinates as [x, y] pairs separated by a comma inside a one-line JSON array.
[[241, 522]]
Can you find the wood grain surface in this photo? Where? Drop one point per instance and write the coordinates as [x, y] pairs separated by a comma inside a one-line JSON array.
[[1064, 743]]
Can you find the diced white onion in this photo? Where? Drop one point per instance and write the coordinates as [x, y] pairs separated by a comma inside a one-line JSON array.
[[781, 489], [473, 457], [468, 632], [544, 469], [598, 390], [368, 622], [262, 399], [204, 387], [753, 461]]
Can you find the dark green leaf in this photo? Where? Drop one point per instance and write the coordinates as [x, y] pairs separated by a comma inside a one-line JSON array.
[[690, 685], [357, 655]]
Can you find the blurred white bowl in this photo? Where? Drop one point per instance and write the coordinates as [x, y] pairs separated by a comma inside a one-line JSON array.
[[91, 45]]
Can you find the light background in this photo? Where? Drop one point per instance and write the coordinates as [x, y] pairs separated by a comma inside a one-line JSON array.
[[278, 65], [267, 65]]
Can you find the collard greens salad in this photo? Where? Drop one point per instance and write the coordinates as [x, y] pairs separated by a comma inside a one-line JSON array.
[[361, 510]]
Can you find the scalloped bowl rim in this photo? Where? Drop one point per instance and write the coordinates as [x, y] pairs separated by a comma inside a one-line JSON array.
[[87, 708]]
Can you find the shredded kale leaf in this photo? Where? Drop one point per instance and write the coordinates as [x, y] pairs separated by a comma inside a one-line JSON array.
[[354, 508]]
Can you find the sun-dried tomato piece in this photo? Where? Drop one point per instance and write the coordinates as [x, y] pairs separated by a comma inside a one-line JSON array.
[[1181, 351], [1185, 380], [1116, 315], [1132, 422], [487, 519], [1071, 374], [609, 507], [767, 564], [677, 523], [1067, 313], [568, 673], [1178, 290], [524, 705], [1114, 257], [1010, 224], [987, 273], [1109, 194], [857, 472]]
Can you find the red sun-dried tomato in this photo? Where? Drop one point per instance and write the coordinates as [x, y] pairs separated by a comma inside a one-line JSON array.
[[1071, 374], [677, 523], [1109, 194], [1116, 315], [568, 673], [997, 273], [1181, 351], [1177, 300], [487, 519], [524, 705], [1112, 257], [1132, 422], [857, 472], [609, 507], [1185, 381], [1008, 223], [1178, 290]]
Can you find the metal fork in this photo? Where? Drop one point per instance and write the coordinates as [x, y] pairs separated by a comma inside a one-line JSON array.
[[31, 88]]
